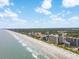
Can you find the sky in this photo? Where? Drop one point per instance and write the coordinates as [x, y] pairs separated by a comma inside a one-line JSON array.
[[39, 13]]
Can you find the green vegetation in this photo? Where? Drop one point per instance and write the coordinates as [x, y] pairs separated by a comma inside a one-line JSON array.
[[50, 42], [70, 33], [69, 49], [73, 33]]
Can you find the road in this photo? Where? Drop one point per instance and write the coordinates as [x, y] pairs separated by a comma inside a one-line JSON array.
[[39, 48]]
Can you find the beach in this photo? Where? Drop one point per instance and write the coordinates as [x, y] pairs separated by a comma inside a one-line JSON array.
[[50, 51]]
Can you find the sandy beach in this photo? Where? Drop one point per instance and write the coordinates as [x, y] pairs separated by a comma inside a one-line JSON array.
[[56, 52]]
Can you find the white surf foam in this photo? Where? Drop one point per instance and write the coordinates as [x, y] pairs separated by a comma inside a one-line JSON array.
[[29, 49], [17, 38], [35, 56], [23, 44], [20, 41], [46, 57]]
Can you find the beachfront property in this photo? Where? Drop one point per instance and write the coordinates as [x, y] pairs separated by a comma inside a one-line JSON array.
[[54, 38], [73, 41], [57, 38]]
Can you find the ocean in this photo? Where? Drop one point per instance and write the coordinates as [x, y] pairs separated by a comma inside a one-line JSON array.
[[11, 48]]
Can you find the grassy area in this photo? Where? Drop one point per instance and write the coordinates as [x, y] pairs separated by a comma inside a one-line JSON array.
[[69, 49]]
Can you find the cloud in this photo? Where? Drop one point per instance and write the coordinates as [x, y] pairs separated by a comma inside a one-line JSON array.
[[1, 15], [46, 4], [4, 3], [43, 11], [44, 8], [70, 3], [57, 19], [74, 19], [11, 16], [19, 11], [12, 4], [60, 21], [8, 17], [36, 21], [8, 13]]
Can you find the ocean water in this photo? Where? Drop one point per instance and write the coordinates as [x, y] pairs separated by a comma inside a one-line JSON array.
[[11, 48]]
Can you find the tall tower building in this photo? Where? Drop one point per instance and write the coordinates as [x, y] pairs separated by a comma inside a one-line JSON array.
[[61, 35]]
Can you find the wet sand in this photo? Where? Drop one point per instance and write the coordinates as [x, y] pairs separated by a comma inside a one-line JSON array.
[[56, 52]]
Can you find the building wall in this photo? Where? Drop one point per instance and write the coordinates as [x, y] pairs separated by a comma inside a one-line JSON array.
[[73, 41]]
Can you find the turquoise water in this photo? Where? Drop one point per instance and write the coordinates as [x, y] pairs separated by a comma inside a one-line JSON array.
[[11, 48]]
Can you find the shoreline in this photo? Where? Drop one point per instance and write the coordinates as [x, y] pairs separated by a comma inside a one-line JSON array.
[[49, 49]]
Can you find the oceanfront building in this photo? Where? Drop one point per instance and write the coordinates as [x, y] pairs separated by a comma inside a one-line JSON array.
[[73, 41], [57, 38]]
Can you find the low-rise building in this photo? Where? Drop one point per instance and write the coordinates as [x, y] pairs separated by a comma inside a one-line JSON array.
[[53, 38]]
